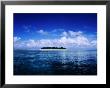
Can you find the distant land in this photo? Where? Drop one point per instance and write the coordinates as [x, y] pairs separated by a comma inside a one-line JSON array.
[[53, 48]]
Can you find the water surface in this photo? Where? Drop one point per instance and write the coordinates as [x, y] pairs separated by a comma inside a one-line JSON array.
[[36, 62]]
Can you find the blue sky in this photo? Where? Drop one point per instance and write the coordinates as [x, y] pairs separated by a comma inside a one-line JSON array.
[[70, 30]]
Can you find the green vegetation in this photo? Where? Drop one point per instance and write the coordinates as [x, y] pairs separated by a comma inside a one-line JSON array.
[[53, 48]]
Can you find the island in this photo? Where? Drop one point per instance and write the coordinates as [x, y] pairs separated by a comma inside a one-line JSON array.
[[52, 48]]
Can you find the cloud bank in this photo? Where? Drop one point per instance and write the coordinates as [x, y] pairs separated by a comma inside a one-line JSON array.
[[69, 39]]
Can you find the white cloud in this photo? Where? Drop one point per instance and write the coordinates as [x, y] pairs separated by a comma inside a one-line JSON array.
[[94, 42], [64, 34], [67, 40], [16, 39], [31, 43], [81, 40], [42, 32], [18, 44], [74, 34]]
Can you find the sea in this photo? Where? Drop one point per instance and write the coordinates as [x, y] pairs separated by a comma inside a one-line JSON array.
[[58, 62]]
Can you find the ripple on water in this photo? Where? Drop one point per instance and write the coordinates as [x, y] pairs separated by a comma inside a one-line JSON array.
[[55, 62]]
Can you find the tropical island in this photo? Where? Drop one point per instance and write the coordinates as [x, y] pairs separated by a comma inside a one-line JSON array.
[[53, 48]]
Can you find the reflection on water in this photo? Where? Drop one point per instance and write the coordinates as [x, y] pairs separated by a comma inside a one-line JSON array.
[[30, 62]]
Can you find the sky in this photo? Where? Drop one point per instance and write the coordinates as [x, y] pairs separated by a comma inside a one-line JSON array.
[[69, 30]]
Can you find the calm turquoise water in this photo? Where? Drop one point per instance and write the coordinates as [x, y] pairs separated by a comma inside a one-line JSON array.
[[36, 62]]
